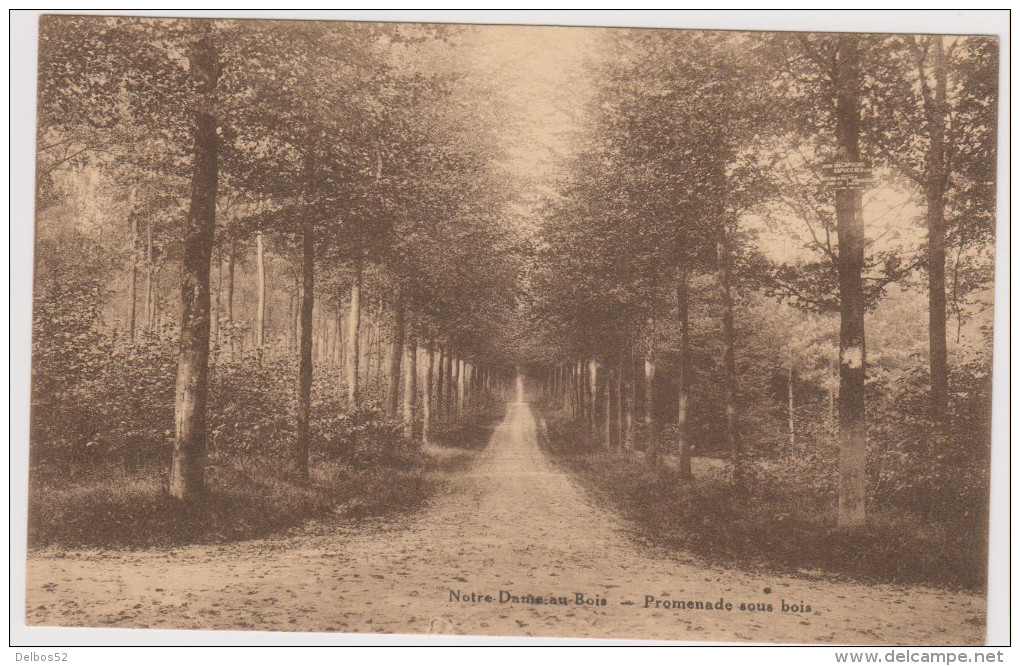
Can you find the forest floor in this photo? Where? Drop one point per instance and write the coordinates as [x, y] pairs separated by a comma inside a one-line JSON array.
[[513, 522]]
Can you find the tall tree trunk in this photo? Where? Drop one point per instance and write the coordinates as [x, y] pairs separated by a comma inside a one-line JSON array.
[[369, 346], [395, 357], [850, 229], [260, 308], [461, 383], [650, 421], [458, 384], [451, 383], [230, 299], [440, 385], [935, 196], [378, 327], [150, 299], [593, 385], [375, 346], [157, 321], [580, 372], [354, 338], [685, 373], [338, 353], [448, 402], [410, 388], [216, 311], [366, 347], [791, 428], [318, 332], [584, 369], [729, 359], [618, 390], [295, 318], [328, 335], [833, 415], [567, 389], [131, 298], [304, 397], [187, 470], [427, 397], [574, 392]]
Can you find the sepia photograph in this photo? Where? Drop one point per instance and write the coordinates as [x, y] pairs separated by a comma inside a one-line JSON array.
[[488, 330]]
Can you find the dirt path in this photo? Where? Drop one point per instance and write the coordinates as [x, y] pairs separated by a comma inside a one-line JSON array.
[[514, 522]]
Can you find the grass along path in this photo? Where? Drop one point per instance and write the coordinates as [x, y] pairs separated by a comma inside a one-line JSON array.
[[513, 522]]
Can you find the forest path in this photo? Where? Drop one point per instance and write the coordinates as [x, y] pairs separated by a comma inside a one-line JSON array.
[[513, 522]]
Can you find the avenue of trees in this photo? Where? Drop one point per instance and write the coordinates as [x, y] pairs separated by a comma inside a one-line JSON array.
[[289, 240], [700, 287], [300, 221]]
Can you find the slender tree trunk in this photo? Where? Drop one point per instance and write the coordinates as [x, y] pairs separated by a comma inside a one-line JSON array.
[[440, 385], [131, 298], [370, 345], [150, 299], [569, 395], [580, 372], [457, 386], [304, 397], [187, 470], [327, 334], [618, 390], [295, 319], [410, 388], [354, 338], [452, 382], [378, 343], [685, 374], [448, 398], [366, 353], [216, 311], [230, 299], [593, 385], [375, 346], [935, 195], [461, 383], [588, 407], [561, 386], [581, 369], [157, 319], [833, 413], [789, 403], [427, 397], [394, 359], [650, 420], [574, 394], [577, 397], [339, 341], [850, 229], [729, 360], [260, 308], [318, 333], [631, 390]]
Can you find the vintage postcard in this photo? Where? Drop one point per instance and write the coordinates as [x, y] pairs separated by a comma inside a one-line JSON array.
[[512, 330]]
